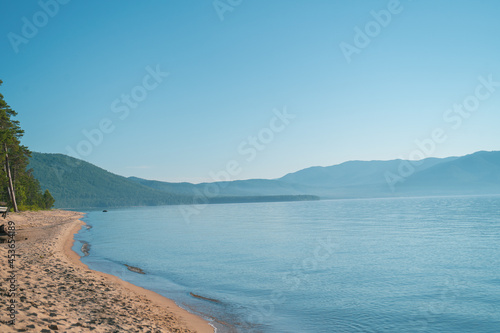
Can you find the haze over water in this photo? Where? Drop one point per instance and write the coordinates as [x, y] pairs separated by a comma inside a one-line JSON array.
[[372, 265]]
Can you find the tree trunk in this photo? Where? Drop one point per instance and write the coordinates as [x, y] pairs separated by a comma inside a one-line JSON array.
[[11, 184]]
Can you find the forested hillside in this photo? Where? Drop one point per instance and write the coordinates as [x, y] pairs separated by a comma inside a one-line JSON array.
[[78, 184]]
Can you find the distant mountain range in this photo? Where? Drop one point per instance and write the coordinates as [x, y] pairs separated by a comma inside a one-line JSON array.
[[78, 184], [473, 174]]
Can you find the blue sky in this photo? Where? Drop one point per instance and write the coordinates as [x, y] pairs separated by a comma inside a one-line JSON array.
[[71, 73]]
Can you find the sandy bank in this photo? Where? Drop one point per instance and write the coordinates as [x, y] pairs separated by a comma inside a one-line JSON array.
[[54, 290]]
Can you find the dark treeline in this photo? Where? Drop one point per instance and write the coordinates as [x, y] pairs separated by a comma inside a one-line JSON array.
[[263, 198]]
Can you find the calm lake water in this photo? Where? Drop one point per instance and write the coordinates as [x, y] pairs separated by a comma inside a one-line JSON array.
[[374, 265]]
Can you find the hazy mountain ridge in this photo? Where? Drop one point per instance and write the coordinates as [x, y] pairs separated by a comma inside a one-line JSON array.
[[78, 184], [75, 183], [476, 173], [251, 187], [364, 179], [353, 173]]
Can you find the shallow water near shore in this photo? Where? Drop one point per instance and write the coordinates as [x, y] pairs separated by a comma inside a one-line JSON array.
[[372, 265]]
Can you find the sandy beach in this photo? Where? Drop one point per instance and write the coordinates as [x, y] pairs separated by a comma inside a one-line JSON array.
[[54, 291]]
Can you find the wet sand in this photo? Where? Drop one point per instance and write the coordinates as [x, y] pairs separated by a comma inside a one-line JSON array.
[[55, 291]]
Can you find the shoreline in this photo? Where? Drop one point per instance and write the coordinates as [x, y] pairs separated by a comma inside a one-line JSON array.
[[56, 291], [194, 321]]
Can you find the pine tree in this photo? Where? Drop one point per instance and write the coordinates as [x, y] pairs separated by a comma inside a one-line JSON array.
[[16, 180], [48, 200]]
